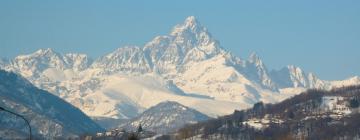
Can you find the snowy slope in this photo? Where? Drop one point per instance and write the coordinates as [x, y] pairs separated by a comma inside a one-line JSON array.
[[188, 66], [124, 96], [49, 116], [165, 117]]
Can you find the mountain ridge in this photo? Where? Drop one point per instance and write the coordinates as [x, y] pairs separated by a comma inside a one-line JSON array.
[[49, 116]]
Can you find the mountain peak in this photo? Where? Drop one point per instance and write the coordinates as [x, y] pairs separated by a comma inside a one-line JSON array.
[[170, 103], [191, 34], [191, 24], [254, 58], [293, 67], [166, 117], [45, 51], [191, 21]]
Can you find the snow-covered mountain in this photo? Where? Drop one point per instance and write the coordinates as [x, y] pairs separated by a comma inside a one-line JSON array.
[[188, 66], [50, 117], [165, 117]]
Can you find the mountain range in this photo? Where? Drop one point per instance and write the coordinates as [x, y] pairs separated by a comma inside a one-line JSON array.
[[188, 66]]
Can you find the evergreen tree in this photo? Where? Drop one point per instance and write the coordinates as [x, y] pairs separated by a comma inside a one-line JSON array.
[[133, 137], [140, 129], [354, 103]]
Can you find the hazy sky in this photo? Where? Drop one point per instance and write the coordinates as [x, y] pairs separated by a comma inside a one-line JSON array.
[[321, 36]]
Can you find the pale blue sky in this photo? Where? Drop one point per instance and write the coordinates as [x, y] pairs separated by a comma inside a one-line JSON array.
[[321, 36]]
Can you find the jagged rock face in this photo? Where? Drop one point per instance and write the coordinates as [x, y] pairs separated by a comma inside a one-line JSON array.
[[77, 62], [117, 85], [255, 69], [49, 116], [31, 66], [293, 76], [166, 117], [130, 59], [187, 42]]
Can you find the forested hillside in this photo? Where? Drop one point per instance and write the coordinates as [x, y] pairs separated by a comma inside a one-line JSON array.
[[314, 114]]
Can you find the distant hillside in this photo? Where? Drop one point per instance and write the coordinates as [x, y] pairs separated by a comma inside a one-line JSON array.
[[166, 117], [50, 117], [314, 114]]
